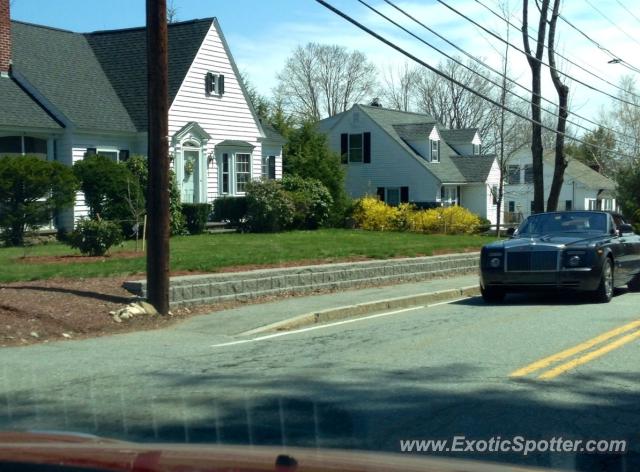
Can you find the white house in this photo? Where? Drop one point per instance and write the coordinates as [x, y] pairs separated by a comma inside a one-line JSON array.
[[64, 95], [408, 157], [583, 189]]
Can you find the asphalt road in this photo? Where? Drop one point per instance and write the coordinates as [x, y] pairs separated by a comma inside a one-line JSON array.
[[456, 369]]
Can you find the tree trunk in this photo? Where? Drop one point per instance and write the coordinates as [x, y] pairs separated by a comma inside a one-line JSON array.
[[563, 98], [536, 128]]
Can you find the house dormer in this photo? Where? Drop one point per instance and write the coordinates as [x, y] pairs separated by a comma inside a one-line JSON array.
[[434, 145], [423, 138], [465, 142]]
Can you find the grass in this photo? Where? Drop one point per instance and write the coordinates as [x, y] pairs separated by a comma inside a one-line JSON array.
[[211, 253]]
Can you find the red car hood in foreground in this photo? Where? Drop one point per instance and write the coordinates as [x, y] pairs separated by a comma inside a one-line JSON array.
[[63, 451]]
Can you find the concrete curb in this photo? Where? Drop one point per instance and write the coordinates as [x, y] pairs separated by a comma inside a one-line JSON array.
[[350, 311]]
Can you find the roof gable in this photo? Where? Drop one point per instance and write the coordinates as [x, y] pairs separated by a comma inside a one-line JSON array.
[[123, 57]]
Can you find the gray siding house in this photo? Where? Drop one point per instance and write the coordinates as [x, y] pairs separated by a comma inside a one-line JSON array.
[[408, 157]]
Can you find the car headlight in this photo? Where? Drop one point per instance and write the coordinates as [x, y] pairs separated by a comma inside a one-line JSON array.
[[575, 259], [495, 262]]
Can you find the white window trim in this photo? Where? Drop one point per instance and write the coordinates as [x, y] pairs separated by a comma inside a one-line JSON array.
[[201, 185], [437, 144], [232, 172], [361, 161], [235, 171]]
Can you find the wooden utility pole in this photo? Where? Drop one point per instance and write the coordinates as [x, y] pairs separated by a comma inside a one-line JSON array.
[[158, 148]]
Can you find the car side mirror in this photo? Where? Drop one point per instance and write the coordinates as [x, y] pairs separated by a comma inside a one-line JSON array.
[[625, 228], [511, 232]]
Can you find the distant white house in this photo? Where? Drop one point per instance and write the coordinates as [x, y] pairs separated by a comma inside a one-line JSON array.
[[64, 95], [583, 189], [409, 157]]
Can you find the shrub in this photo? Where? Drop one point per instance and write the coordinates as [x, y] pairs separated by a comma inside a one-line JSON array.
[[30, 190], [233, 209], [311, 199], [269, 207], [95, 237], [111, 191], [196, 216], [176, 217], [372, 214], [484, 225]]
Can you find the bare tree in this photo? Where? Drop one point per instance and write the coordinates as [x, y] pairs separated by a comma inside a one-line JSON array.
[[172, 12], [563, 111], [625, 119], [400, 86], [453, 106], [324, 80], [535, 64]]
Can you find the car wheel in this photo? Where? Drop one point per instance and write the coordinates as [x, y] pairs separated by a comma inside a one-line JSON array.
[[492, 294], [604, 292]]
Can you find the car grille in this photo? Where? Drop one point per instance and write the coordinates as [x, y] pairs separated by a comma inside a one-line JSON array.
[[532, 261]]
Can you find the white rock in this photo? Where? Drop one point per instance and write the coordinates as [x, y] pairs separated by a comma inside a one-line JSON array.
[[66, 335], [33, 334], [148, 308]]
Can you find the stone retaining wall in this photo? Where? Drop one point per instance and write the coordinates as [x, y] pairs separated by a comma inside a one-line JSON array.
[[213, 288]]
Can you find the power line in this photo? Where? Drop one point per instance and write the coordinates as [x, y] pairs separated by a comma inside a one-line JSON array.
[[615, 25], [591, 87], [590, 72], [449, 78], [476, 60], [614, 58], [627, 10]]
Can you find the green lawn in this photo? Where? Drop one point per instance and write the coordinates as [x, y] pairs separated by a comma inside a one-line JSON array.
[[210, 253]]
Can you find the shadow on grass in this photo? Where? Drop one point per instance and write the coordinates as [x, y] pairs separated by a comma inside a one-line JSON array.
[[367, 409]]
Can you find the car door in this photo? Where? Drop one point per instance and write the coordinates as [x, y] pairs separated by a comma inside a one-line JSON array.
[[631, 243]]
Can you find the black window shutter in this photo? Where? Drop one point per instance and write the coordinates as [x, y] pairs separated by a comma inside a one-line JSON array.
[[381, 194], [272, 167], [221, 84], [91, 152], [458, 195], [442, 193], [344, 148], [208, 83], [367, 147], [123, 155], [404, 194]]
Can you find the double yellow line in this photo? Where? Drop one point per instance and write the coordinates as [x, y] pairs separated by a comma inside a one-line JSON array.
[[580, 349]]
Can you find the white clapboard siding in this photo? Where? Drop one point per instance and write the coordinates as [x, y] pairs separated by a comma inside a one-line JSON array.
[[223, 117], [492, 179], [390, 165]]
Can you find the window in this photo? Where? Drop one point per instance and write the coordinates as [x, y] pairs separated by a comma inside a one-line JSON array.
[[23, 145], [393, 196], [592, 204], [476, 149], [512, 206], [449, 195], [568, 205], [110, 153], [355, 148], [435, 151], [513, 175], [494, 194], [225, 173], [213, 84], [243, 171], [528, 173], [607, 204], [268, 168]]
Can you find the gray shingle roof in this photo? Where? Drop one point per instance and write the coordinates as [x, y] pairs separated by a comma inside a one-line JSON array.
[[271, 134], [235, 143], [414, 131], [474, 168], [62, 66], [19, 109], [445, 170], [582, 173], [459, 136], [123, 57], [99, 80]]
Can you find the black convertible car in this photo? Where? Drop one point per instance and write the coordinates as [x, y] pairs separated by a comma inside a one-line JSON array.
[[592, 251]]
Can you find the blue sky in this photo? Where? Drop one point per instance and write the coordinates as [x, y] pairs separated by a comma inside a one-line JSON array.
[[262, 33]]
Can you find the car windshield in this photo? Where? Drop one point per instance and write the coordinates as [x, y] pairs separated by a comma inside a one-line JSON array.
[[562, 223]]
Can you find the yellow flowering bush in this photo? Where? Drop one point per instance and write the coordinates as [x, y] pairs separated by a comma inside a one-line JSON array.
[[374, 215]]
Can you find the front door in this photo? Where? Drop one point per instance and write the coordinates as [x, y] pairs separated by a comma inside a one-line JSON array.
[[190, 175]]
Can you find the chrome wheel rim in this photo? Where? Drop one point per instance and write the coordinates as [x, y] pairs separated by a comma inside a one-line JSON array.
[[608, 279]]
